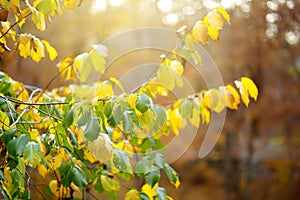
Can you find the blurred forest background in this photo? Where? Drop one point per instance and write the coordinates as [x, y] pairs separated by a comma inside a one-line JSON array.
[[258, 153]]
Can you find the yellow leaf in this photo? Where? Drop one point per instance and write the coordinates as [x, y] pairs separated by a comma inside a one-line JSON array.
[[34, 133], [42, 170], [176, 66], [200, 32], [53, 186], [151, 192], [38, 19], [213, 32], [118, 83], [37, 51], [195, 119], [251, 87], [232, 98], [66, 70], [4, 120], [215, 19], [132, 195], [24, 45], [243, 91], [104, 89], [132, 99], [190, 42], [175, 119], [51, 51], [223, 12], [177, 183], [101, 148], [70, 4]]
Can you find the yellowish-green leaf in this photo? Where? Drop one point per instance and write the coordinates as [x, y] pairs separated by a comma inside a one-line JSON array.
[[51, 51], [200, 32], [132, 195], [98, 61], [82, 64], [118, 83], [4, 120], [190, 42], [224, 13], [38, 19], [70, 4], [104, 89], [251, 87], [195, 119]]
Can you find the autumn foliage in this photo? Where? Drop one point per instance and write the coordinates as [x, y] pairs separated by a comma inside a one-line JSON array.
[[84, 135]]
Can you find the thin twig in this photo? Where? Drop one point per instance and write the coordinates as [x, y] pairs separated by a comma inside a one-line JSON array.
[[17, 101], [14, 25]]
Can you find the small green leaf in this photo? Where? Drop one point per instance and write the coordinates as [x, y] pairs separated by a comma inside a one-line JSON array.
[[143, 166], [68, 119], [8, 135], [186, 109], [121, 161], [153, 177], [92, 129], [17, 145], [161, 194], [78, 177], [32, 153], [108, 108], [143, 103], [85, 118]]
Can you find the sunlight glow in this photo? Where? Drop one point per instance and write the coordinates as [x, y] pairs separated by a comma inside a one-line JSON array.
[[171, 19], [98, 6], [116, 3], [165, 5]]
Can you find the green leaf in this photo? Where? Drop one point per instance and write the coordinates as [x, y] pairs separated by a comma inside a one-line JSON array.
[[143, 166], [153, 177], [32, 153], [108, 108], [17, 145], [68, 119], [161, 194], [78, 177], [121, 161], [186, 109], [118, 114], [98, 186], [61, 138], [172, 174], [160, 118], [144, 196], [8, 135], [85, 118], [143, 103], [92, 129], [130, 119]]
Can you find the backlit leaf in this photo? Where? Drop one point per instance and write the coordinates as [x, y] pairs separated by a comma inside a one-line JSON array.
[[101, 148], [70, 4], [213, 32], [243, 91], [51, 51], [200, 32], [98, 61], [215, 19], [251, 87], [223, 12]]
